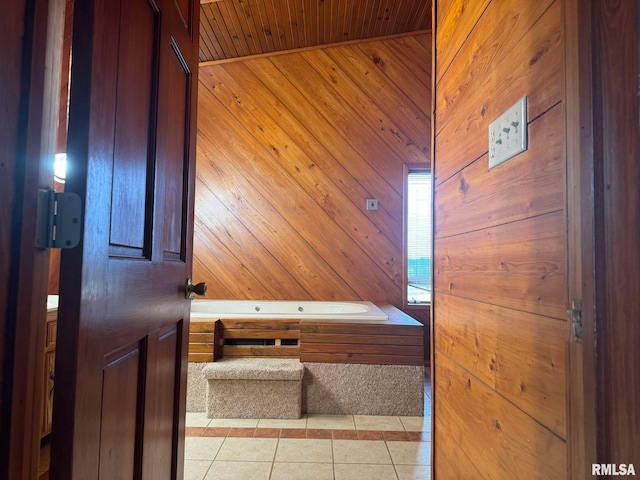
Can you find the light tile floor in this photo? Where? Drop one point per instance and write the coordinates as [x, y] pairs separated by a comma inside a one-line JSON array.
[[315, 447]]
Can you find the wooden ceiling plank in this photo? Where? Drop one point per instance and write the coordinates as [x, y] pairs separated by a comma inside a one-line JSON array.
[[378, 18], [373, 19], [423, 21], [220, 31], [337, 14], [354, 24], [302, 20], [274, 29], [332, 19], [321, 8], [253, 27], [289, 32], [414, 15], [392, 24], [293, 6], [314, 23], [342, 21], [388, 8], [366, 18], [207, 35], [251, 13], [232, 24], [263, 25], [346, 28], [405, 18], [248, 28], [283, 15]]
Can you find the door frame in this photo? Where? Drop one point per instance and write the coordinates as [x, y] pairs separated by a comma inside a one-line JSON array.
[[31, 53], [595, 116], [579, 146]]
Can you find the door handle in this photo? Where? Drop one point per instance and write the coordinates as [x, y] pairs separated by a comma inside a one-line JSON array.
[[192, 290]]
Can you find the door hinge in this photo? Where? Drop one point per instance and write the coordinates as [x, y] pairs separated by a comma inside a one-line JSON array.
[[576, 317], [58, 219]]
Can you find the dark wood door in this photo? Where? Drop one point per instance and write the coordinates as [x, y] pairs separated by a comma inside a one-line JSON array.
[[123, 323], [603, 169]]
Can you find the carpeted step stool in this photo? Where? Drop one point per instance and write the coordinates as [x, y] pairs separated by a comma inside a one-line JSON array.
[[254, 387]]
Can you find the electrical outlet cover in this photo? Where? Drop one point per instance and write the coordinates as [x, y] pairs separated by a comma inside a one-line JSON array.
[[508, 134]]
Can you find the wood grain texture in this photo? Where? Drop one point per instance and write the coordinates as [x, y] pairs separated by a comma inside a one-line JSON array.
[[397, 341], [518, 265], [231, 28], [289, 148], [499, 440], [532, 67], [616, 172], [500, 248], [30, 55], [12, 22], [497, 33], [520, 355], [136, 397], [477, 197], [455, 19], [423, 315]]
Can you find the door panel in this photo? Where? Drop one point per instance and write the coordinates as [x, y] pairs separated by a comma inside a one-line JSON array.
[[120, 387], [162, 388], [185, 7], [179, 79], [124, 318], [133, 158]]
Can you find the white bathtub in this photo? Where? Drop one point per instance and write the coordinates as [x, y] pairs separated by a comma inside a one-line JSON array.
[[312, 310]]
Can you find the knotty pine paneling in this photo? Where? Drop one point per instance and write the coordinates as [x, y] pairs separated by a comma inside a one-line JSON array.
[[533, 66], [289, 149], [520, 354], [500, 440], [477, 197], [237, 28], [500, 250], [519, 265]]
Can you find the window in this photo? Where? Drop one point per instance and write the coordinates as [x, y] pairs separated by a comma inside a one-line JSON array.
[[418, 236]]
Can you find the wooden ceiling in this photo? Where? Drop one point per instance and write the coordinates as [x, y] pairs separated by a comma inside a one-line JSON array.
[[238, 28]]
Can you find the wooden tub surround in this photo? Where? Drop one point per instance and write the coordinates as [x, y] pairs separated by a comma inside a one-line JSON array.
[[397, 341], [350, 367]]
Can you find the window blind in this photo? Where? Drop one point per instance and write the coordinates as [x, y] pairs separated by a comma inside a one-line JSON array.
[[419, 237]]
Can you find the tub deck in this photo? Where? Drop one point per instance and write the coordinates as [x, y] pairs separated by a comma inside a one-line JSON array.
[[396, 341]]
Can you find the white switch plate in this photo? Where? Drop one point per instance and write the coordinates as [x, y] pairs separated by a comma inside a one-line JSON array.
[[372, 204], [508, 134]]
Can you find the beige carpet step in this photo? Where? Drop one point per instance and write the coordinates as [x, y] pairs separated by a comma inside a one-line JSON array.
[[254, 388]]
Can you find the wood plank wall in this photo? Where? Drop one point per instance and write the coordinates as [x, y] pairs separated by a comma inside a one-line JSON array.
[[289, 148], [500, 294]]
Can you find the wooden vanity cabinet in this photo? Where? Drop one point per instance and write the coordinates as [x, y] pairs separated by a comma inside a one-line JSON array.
[[46, 413]]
